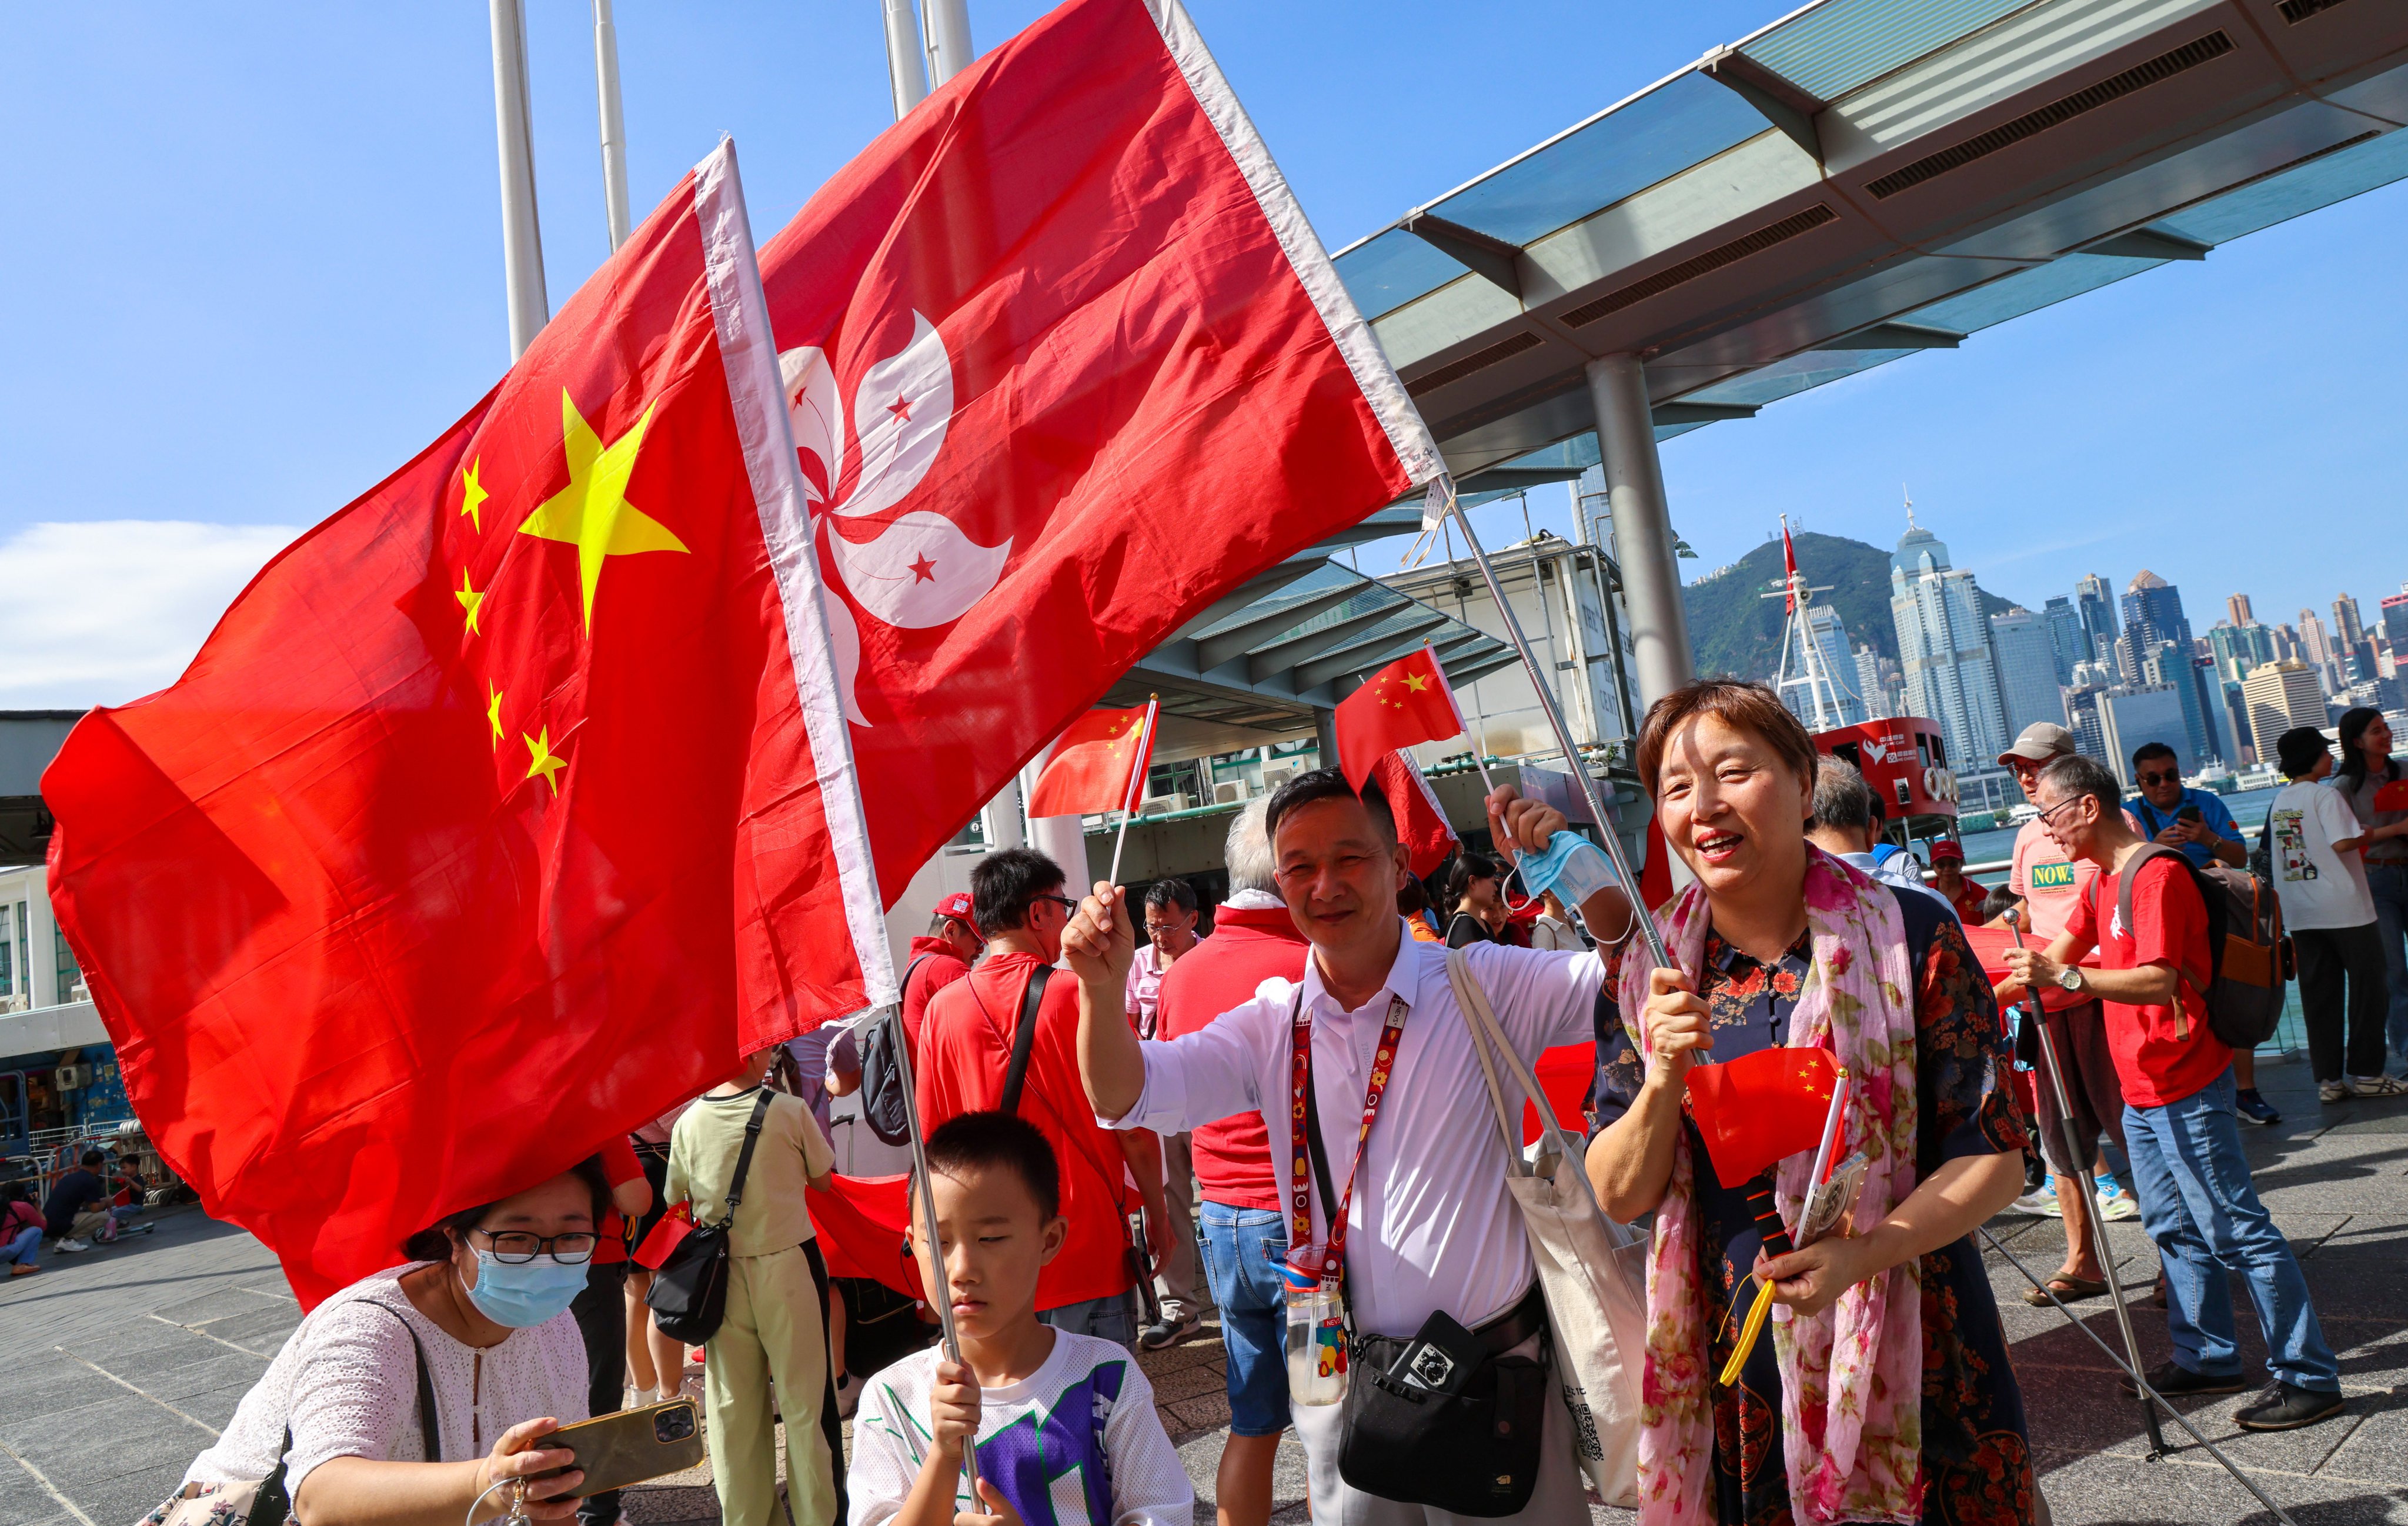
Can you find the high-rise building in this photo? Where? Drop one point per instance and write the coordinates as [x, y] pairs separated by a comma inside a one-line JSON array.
[[1877, 684], [2152, 620], [1944, 647], [2287, 646], [2082, 714], [2067, 641], [2239, 648], [2130, 718], [1835, 670], [2236, 722], [2028, 687], [2348, 624], [2236, 608], [2280, 695], [2395, 626], [2096, 603], [2313, 643]]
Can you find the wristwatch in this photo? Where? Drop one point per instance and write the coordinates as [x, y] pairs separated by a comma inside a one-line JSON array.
[[2068, 977]]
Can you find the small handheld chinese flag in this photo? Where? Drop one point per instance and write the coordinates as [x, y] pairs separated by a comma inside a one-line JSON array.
[[2392, 797], [1761, 1108], [1095, 766], [1405, 702]]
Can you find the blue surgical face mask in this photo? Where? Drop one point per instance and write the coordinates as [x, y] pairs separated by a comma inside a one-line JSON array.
[[525, 1293], [1572, 867]]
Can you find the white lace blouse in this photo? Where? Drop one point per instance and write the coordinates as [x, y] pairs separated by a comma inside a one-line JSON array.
[[346, 1384]]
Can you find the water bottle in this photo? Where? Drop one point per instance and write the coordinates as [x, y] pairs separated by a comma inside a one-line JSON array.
[[1316, 1330]]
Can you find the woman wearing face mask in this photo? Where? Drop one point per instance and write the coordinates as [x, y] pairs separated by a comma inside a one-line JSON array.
[[482, 1306]]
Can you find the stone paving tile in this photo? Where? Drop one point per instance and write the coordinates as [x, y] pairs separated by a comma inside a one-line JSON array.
[[1187, 1382]]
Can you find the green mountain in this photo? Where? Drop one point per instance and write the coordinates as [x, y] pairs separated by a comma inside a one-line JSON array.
[[1735, 632]]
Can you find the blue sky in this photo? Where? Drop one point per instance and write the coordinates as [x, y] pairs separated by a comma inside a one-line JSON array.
[[255, 264]]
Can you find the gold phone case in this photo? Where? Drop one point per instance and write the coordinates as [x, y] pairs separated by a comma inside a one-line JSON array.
[[633, 1445]]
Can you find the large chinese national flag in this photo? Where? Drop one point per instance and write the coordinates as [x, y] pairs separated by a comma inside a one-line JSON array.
[[505, 808], [1065, 364]]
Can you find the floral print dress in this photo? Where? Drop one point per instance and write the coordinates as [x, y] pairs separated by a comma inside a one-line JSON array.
[[1976, 1458]]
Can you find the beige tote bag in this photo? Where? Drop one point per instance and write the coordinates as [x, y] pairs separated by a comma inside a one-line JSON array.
[[1593, 1270]]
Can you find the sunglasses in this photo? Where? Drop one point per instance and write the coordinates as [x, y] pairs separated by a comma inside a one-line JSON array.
[[2168, 777]]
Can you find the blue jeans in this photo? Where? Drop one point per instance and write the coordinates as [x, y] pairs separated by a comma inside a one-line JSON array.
[[22, 1249], [2390, 882], [2198, 1203], [1243, 1249], [1113, 1318]]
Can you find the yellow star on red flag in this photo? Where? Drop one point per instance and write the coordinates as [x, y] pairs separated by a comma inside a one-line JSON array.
[[592, 513]]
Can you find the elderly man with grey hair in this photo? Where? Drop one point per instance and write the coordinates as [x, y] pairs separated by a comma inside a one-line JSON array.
[[1843, 826], [1245, 1237]]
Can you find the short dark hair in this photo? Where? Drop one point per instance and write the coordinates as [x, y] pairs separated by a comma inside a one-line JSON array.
[[1327, 785], [2073, 774], [2298, 748], [431, 1244], [937, 924], [1004, 882], [94, 1158], [981, 1140], [1742, 706], [2148, 750], [1172, 892]]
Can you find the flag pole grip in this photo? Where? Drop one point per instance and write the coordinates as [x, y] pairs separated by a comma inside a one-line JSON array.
[[941, 1295], [1564, 739]]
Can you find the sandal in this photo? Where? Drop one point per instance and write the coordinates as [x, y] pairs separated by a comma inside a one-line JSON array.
[[2068, 1290]]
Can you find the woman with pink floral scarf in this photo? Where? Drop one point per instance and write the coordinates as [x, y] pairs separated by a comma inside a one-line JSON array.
[[1881, 1390]]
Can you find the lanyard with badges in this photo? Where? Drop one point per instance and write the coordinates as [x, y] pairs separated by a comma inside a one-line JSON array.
[[1315, 1274]]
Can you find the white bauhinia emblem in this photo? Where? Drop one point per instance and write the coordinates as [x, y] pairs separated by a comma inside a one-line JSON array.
[[920, 571]]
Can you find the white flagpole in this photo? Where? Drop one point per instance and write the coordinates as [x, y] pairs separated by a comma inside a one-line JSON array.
[[614, 127], [1564, 739], [1137, 782]]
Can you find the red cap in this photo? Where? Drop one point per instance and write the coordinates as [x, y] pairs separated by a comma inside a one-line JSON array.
[[1947, 847], [956, 906]]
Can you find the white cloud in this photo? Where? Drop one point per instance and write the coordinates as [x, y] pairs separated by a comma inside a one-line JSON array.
[[100, 613]]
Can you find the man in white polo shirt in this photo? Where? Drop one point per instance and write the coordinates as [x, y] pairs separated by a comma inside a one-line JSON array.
[[1430, 1227]]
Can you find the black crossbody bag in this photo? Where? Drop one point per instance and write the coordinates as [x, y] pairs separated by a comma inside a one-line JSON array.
[[1445, 1419], [689, 1294]]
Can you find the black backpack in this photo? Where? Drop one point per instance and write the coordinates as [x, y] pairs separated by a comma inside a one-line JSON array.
[[2212, 896], [881, 1071], [689, 1294]]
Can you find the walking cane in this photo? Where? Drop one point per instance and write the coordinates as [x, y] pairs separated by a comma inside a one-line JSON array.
[[2078, 1151]]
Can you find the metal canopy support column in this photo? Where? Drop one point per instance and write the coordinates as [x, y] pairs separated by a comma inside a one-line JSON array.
[[1643, 526], [522, 240], [1324, 733]]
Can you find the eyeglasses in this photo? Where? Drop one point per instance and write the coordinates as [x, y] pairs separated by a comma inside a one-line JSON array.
[[515, 1248], [2168, 777], [2061, 805], [1064, 901]]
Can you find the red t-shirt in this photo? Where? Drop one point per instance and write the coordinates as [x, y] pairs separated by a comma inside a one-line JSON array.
[[2169, 926], [619, 1167], [940, 969], [966, 1051], [1233, 1157]]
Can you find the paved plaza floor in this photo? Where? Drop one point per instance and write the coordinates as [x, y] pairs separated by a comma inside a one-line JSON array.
[[116, 1367]]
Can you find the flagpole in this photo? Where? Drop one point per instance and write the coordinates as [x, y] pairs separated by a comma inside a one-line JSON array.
[[1564, 739], [942, 1294], [614, 125], [522, 238], [1136, 780]]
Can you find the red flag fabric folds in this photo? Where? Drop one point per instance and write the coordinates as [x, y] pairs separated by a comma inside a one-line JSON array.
[[1065, 364], [1093, 766], [1761, 1108], [1420, 825], [863, 1224], [506, 808], [1404, 703]]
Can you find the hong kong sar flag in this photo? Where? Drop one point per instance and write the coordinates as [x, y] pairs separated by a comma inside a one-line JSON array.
[[506, 809], [1065, 364]]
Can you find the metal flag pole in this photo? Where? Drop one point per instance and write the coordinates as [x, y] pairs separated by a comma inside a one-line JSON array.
[[2078, 1150], [907, 65], [1136, 783], [1479, 760], [942, 1294], [614, 127], [1563, 737], [522, 238]]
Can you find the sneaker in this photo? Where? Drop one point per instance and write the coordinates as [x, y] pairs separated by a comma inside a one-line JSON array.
[[1169, 1329], [2376, 1085], [636, 1398], [2333, 1091], [2040, 1200], [2115, 1203], [2283, 1407], [74, 1247], [2256, 1108], [2174, 1380]]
